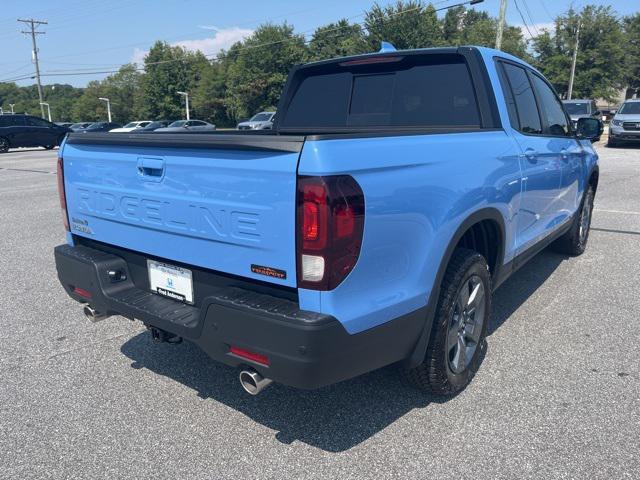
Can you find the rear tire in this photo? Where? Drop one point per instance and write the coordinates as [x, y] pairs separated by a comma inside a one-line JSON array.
[[612, 143], [4, 145], [457, 342], [574, 242]]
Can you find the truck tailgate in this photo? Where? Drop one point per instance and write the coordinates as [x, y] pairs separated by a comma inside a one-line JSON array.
[[224, 202]]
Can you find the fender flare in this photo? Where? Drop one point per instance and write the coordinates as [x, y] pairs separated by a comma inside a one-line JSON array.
[[487, 213]]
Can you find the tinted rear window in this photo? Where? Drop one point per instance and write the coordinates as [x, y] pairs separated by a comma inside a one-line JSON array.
[[429, 91]]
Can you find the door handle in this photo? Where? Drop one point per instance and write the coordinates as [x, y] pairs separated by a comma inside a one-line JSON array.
[[564, 154], [151, 167], [531, 155]]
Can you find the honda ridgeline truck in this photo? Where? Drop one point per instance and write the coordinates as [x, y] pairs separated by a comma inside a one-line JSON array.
[[395, 193]]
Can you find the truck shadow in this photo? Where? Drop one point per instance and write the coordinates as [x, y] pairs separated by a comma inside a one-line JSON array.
[[334, 418]]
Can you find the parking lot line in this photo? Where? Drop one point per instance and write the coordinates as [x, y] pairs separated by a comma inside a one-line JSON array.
[[615, 211]]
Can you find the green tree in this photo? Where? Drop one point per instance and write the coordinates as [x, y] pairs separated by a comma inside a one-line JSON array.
[[168, 70], [462, 26], [601, 53], [339, 39], [259, 66], [209, 96], [631, 25], [406, 24]]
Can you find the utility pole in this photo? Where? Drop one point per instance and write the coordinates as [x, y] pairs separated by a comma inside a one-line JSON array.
[[32, 23], [573, 63], [11, 105], [48, 108], [501, 20]]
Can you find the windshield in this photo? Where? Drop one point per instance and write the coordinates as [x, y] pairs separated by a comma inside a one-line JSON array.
[[131, 125], [261, 117], [576, 108], [155, 125], [95, 126], [630, 108], [179, 123]]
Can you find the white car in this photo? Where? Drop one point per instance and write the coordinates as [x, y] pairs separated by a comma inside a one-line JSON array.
[[131, 126], [187, 125]]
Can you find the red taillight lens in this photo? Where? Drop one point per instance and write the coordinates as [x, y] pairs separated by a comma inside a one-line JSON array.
[[330, 229], [253, 356], [82, 292], [61, 193]]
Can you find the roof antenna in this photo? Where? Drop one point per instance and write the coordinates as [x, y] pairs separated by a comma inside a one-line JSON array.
[[386, 47]]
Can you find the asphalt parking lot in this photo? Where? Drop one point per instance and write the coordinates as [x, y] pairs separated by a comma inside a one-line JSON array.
[[558, 394]]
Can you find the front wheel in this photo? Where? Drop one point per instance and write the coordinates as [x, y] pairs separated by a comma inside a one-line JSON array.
[[459, 328], [4, 145], [574, 242]]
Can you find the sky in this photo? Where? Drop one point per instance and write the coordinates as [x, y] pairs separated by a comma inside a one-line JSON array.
[[101, 35]]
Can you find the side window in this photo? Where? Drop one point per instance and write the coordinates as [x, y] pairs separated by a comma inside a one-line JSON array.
[[525, 101], [37, 122], [551, 109]]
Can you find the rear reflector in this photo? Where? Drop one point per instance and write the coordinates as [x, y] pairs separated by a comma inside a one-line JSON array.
[[330, 226], [82, 292], [254, 357], [61, 193]]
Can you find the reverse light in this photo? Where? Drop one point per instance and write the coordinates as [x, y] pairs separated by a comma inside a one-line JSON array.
[[330, 227], [61, 193]]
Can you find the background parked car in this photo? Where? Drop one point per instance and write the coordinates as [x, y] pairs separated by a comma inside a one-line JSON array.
[[131, 126], [581, 108], [260, 121], [625, 125], [28, 131], [79, 126], [153, 126], [100, 127], [190, 125], [64, 124]]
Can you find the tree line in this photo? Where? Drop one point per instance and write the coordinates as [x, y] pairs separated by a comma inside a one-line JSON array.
[[249, 76]]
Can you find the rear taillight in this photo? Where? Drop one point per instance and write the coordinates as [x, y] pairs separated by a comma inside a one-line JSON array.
[[61, 193], [330, 225]]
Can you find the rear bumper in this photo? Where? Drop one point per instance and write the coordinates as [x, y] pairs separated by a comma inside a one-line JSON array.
[[305, 349]]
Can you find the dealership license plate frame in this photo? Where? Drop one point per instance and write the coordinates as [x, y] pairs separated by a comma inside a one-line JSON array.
[[170, 281]]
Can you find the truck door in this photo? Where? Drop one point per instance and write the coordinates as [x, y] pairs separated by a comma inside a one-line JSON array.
[[561, 143], [540, 164]]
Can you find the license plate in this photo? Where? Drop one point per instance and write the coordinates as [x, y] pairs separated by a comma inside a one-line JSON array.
[[170, 281]]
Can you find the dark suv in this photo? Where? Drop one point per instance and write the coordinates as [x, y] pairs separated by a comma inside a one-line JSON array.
[[28, 131]]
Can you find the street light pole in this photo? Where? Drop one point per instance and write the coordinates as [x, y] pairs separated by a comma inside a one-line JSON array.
[[48, 109], [108, 106], [186, 100]]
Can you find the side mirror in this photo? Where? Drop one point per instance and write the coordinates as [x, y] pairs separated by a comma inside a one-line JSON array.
[[589, 129], [597, 112]]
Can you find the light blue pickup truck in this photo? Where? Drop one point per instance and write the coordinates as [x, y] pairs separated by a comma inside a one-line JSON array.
[[395, 193]]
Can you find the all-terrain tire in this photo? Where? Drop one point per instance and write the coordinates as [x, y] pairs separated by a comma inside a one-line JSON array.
[[436, 373], [574, 242]]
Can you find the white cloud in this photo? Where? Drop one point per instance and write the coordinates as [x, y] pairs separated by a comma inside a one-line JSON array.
[[536, 27], [223, 39]]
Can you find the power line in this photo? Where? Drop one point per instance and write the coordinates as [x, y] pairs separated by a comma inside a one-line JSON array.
[[217, 56], [533, 24], [32, 23], [522, 17]]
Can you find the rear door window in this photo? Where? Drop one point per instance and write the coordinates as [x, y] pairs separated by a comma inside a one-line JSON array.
[[525, 102], [420, 91], [37, 122]]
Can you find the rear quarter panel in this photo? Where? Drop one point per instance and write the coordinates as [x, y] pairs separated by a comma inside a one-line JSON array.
[[418, 190]]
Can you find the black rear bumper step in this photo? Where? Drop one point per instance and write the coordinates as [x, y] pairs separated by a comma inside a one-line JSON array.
[[305, 349]]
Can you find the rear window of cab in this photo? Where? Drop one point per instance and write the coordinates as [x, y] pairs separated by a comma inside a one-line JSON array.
[[394, 91]]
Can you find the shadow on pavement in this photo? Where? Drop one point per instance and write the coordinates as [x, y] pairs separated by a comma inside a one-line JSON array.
[[334, 418]]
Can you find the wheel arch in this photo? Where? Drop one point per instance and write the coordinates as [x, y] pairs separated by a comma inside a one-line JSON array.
[[485, 216]]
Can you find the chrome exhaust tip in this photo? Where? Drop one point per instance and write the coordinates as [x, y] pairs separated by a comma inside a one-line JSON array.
[[252, 382], [93, 315]]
